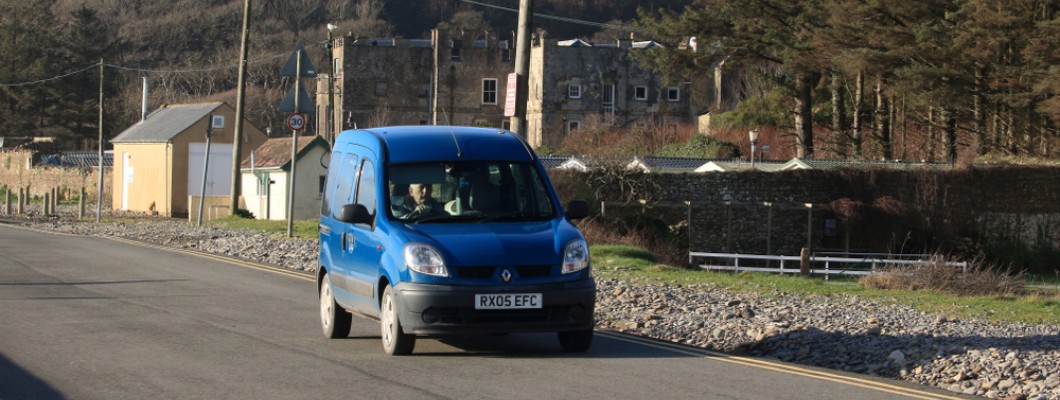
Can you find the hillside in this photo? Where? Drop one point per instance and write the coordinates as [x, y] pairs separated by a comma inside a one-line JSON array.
[[188, 50]]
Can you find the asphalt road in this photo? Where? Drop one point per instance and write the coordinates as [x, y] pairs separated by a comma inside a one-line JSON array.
[[95, 318]]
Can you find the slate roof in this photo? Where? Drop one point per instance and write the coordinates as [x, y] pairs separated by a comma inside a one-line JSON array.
[[275, 153], [551, 162], [79, 159], [798, 163], [87, 159], [573, 43], [165, 123], [734, 166], [675, 164]]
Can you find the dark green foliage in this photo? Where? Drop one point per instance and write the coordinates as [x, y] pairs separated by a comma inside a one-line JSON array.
[[701, 146], [771, 109], [987, 67], [244, 213]]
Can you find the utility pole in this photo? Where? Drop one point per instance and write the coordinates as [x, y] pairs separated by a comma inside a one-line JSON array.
[[99, 192], [241, 91], [294, 146], [330, 109], [522, 66]]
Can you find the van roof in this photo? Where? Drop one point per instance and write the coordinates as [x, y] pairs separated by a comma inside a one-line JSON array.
[[442, 143]]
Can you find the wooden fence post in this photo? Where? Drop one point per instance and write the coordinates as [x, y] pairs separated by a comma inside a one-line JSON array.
[[804, 262], [81, 204]]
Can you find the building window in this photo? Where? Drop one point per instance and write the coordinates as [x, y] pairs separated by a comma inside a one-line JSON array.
[[574, 91], [380, 88], [573, 126], [454, 54], [640, 93], [320, 187], [673, 94], [609, 99], [489, 91], [506, 55]]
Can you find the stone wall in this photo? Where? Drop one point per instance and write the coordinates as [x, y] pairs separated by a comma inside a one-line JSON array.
[[17, 172], [916, 211]]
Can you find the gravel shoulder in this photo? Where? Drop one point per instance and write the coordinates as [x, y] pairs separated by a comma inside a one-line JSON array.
[[1010, 361]]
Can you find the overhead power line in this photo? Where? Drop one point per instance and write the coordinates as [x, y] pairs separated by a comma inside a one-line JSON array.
[[561, 19], [49, 79], [143, 70]]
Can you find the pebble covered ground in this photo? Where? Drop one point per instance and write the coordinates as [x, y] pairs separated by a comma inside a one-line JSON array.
[[1004, 361]]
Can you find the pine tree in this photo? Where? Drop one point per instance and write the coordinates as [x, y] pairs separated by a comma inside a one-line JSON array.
[[86, 39], [26, 50]]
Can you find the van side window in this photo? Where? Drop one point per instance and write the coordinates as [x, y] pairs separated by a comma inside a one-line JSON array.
[[366, 187], [346, 171], [329, 187]]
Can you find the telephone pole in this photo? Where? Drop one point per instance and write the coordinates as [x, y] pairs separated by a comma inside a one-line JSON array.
[[241, 91], [522, 66]]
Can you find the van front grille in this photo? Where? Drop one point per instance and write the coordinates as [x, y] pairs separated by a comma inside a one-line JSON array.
[[524, 271], [533, 271], [476, 272]]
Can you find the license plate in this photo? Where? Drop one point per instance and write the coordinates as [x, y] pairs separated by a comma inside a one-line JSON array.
[[507, 301]]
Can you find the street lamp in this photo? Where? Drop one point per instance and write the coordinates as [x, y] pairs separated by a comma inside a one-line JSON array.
[[330, 110], [753, 134]]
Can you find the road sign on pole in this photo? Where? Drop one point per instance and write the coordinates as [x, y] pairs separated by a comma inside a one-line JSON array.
[[296, 121], [509, 95]]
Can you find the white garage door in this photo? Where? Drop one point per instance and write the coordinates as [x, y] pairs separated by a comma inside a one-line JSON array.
[[219, 176]]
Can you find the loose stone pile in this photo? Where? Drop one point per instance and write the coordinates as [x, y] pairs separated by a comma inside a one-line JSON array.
[[1012, 361]]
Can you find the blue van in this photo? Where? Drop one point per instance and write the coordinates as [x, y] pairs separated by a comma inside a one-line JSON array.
[[437, 230]]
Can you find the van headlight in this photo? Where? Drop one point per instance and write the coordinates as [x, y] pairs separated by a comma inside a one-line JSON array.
[[425, 260], [575, 256]]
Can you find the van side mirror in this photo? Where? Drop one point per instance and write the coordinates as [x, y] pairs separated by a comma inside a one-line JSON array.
[[355, 214], [577, 209]]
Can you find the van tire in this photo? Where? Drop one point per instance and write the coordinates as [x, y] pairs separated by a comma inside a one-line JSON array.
[[333, 318], [395, 341], [576, 341]]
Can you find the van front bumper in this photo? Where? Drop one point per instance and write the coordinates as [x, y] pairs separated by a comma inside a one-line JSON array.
[[441, 309]]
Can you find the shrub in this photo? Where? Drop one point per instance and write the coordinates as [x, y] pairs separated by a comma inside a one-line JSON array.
[[638, 231], [976, 281], [244, 213]]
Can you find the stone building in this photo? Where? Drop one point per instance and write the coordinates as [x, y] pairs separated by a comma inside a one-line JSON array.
[[457, 79]]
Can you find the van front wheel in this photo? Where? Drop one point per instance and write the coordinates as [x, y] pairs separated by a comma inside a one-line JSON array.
[[395, 341], [333, 319]]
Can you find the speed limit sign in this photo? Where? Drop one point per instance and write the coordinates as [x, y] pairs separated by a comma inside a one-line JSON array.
[[296, 121]]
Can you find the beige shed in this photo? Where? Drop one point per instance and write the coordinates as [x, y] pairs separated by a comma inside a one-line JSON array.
[[159, 161]]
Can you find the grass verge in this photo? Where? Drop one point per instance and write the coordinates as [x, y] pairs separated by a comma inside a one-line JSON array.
[[303, 229], [627, 262]]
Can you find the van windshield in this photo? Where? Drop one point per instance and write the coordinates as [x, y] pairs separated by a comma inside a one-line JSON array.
[[442, 192]]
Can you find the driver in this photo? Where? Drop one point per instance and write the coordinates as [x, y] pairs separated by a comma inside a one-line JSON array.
[[419, 202]]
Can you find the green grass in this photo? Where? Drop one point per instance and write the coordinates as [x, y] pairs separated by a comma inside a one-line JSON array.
[[303, 229], [626, 262]]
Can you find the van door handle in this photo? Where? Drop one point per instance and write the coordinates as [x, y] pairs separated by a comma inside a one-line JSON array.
[[349, 242]]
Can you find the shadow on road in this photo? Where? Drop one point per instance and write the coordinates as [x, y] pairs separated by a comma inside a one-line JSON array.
[[606, 345], [17, 383], [86, 283]]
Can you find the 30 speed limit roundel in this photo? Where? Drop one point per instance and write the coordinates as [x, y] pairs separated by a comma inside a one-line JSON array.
[[296, 121]]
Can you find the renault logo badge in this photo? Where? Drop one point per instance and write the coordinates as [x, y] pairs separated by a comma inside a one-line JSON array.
[[506, 275]]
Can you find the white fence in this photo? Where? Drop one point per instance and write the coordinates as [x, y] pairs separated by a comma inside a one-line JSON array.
[[853, 264]]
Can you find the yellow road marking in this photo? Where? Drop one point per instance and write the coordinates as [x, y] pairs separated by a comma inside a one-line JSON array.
[[779, 367], [225, 259]]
